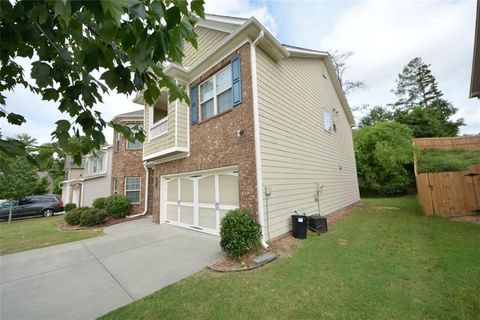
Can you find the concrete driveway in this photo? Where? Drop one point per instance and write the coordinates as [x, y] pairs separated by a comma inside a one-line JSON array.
[[85, 279]]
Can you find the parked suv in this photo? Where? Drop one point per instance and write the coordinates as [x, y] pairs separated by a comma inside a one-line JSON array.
[[46, 205]]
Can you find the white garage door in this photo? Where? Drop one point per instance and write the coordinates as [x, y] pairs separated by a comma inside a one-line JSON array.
[[200, 200]]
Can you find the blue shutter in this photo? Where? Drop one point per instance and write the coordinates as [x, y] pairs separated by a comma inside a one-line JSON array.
[[193, 104], [236, 81]]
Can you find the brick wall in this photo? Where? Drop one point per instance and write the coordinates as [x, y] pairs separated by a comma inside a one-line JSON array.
[[214, 143], [128, 163]]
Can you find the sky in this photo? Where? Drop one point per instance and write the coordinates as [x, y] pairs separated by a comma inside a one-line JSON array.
[[383, 35]]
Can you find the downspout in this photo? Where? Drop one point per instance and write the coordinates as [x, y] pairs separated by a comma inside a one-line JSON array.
[[145, 206], [256, 123]]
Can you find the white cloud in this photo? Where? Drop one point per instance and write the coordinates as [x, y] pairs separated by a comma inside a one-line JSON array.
[[243, 9]]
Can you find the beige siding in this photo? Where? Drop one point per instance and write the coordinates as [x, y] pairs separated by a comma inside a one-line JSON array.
[[296, 152], [98, 187], [183, 125], [163, 142], [207, 40]]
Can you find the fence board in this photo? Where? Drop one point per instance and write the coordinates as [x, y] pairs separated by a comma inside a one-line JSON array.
[[424, 193]]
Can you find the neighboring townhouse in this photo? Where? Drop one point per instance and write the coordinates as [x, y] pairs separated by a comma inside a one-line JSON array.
[[128, 172], [91, 180], [268, 128]]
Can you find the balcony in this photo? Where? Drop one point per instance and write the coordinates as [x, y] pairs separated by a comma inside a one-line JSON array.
[[166, 127]]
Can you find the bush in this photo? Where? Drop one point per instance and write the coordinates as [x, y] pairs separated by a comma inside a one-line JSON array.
[[240, 233], [69, 207], [99, 203], [73, 216], [92, 217], [117, 206], [438, 160]]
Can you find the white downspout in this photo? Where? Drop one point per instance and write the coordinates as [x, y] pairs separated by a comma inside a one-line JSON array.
[[145, 206], [256, 123]]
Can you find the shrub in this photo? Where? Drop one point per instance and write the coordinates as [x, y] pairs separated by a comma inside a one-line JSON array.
[[73, 217], [439, 160], [240, 233], [117, 206], [99, 203], [92, 217], [69, 207]]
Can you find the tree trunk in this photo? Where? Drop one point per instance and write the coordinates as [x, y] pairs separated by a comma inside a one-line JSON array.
[[10, 212]]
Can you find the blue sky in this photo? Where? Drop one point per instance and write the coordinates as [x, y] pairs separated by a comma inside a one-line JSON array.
[[384, 35]]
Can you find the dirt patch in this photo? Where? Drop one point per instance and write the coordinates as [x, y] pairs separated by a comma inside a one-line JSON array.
[[63, 225], [474, 219], [342, 242], [283, 246], [385, 208]]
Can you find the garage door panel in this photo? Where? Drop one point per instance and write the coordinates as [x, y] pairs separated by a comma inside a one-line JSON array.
[[172, 190], [207, 218], [186, 215], [228, 189], [186, 190], [172, 212], [206, 190]]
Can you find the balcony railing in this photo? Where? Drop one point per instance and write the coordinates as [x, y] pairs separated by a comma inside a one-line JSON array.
[[158, 129]]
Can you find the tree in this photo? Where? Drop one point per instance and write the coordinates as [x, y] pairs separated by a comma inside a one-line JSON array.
[[384, 153], [83, 49], [375, 115], [339, 60], [416, 85]]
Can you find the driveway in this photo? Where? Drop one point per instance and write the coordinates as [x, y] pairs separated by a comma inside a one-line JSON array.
[[85, 279]]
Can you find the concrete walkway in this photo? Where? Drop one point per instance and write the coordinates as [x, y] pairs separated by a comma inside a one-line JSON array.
[[85, 279]]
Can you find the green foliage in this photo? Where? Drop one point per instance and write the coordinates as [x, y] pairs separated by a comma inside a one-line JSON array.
[[240, 233], [383, 153], [18, 178], [117, 206], [69, 207], [375, 115], [73, 216], [100, 203], [438, 160], [93, 217], [70, 42]]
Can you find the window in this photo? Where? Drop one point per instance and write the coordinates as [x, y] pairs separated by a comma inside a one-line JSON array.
[[134, 145], [132, 189], [117, 141], [216, 94], [97, 164], [158, 117], [115, 186], [328, 122]]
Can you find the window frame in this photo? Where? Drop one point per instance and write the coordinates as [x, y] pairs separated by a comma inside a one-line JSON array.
[[127, 143], [215, 93], [117, 141], [115, 186], [331, 129], [134, 190]]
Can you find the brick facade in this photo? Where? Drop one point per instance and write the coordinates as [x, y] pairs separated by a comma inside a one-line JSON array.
[[128, 163], [215, 144]]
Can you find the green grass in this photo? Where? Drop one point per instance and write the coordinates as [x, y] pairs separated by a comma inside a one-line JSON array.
[[438, 160], [379, 263], [33, 233]]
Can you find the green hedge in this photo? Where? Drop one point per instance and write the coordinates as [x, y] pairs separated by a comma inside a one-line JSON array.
[[69, 207], [100, 203], [438, 160], [117, 206], [73, 216], [240, 233], [92, 217]]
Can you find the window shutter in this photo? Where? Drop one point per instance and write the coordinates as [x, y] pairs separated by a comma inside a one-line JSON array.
[[193, 104], [236, 81]]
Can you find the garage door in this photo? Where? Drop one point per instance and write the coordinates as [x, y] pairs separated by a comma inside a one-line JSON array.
[[200, 200]]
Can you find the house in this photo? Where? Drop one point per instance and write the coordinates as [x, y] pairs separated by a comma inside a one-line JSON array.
[[90, 180], [128, 171], [475, 83], [268, 128]]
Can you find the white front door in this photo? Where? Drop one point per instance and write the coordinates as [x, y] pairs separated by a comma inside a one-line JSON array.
[[200, 200]]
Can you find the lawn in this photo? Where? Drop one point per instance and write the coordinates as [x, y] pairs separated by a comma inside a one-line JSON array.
[[387, 261], [33, 233]]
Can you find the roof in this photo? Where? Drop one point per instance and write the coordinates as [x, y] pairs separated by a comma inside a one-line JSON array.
[[137, 114], [475, 82]]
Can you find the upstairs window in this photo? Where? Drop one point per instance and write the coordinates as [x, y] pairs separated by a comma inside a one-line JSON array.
[[158, 115], [134, 145], [97, 165], [216, 94], [117, 141], [328, 122]]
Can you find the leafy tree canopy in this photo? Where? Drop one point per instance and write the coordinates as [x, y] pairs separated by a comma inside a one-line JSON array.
[[83, 49], [383, 153]]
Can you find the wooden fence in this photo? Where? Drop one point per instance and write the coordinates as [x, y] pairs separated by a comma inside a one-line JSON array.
[[449, 194]]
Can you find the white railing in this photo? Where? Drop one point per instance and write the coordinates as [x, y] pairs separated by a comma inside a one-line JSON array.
[[159, 129]]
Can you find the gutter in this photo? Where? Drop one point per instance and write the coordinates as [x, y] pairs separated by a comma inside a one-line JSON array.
[[256, 123], [145, 206]]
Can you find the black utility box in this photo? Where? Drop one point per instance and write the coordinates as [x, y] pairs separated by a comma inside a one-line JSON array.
[[318, 223], [299, 226]]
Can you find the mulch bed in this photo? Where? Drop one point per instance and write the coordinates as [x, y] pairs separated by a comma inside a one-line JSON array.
[[108, 222], [284, 247]]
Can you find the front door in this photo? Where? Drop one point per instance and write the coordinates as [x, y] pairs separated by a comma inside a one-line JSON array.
[[199, 201]]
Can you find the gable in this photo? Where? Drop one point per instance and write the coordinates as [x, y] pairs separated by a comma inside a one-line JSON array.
[[207, 40]]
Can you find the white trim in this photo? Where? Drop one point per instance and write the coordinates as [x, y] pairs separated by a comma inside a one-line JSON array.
[[215, 93], [202, 172], [258, 154], [176, 120], [139, 190], [164, 152], [156, 124]]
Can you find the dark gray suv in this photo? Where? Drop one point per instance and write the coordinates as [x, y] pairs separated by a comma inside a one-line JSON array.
[[46, 205]]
